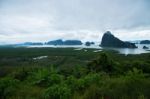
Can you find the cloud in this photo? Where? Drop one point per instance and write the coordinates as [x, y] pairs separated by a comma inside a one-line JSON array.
[[41, 20]]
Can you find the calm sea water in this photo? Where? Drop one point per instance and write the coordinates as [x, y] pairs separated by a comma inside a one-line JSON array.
[[125, 51], [138, 50]]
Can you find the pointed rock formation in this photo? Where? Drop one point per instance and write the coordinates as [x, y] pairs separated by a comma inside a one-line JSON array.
[[109, 40]]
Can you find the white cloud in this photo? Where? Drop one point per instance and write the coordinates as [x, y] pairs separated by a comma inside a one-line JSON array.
[[43, 20]]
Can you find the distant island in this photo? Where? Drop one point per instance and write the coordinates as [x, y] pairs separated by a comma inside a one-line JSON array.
[[109, 40], [89, 43], [145, 47], [32, 43], [66, 42], [55, 42], [145, 42]]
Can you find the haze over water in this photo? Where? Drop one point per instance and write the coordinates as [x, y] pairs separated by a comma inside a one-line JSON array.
[[125, 51]]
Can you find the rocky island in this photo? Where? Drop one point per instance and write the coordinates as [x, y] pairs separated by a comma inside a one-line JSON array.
[[145, 42], [89, 43], [66, 42], [32, 43], [109, 40]]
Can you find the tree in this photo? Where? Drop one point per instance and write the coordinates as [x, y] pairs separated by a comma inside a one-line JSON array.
[[102, 63], [7, 87]]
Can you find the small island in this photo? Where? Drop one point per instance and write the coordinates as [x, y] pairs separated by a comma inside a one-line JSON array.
[[145, 47], [89, 43]]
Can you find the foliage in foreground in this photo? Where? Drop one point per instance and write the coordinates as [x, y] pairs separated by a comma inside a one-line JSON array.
[[102, 78]]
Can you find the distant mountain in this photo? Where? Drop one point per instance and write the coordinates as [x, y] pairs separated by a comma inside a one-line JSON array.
[[24, 44], [67, 42], [32, 43], [55, 42], [135, 41], [72, 42], [145, 42], [109, 40]]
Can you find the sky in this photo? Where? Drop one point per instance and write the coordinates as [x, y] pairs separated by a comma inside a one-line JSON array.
[[86, 20]]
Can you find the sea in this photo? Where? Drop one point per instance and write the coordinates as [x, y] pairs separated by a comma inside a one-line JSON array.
[[97, 48]]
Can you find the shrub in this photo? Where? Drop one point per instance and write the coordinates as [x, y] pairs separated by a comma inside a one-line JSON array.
[[20, 74], [45, 77], [132, 86], [8, 87], [60, 91], [39, 77]]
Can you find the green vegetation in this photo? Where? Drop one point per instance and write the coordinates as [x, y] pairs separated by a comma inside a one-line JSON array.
[[73, 74]]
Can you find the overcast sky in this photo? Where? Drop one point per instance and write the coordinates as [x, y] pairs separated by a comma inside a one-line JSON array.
[[44, 20]]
